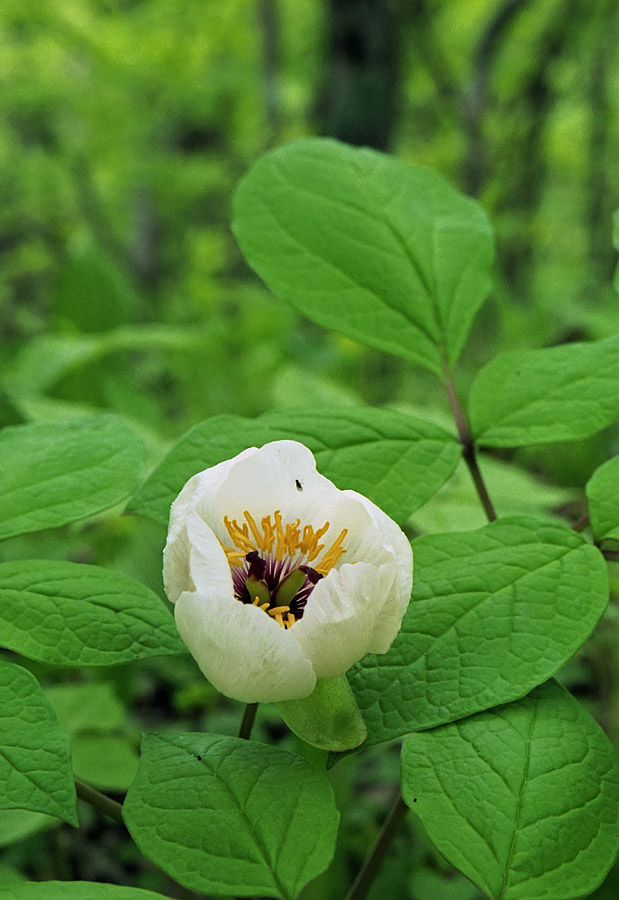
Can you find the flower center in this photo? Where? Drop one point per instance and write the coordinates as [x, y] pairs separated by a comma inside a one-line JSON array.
[[277, 565]]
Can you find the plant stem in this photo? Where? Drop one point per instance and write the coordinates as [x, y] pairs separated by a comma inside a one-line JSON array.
[[611, 554], [247, 722], [100, 801], [581, 523], [468, 447], [370, 868]]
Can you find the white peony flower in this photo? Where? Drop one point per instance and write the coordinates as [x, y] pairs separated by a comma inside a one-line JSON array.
[[280, 579]]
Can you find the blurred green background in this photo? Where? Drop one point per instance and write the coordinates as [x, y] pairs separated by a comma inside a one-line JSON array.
[[124, 126]]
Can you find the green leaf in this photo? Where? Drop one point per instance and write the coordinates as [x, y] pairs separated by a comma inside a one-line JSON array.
[[603, 500], [494, 612], [35, 768], [69, 614], [60, 473], [396, 460], [44, 361], [105, 761], [388, 254], [523, 799], [232, 817], [17, 824], [329, 718], [541, 396], [85, 707], [514, 492], [74, 890]]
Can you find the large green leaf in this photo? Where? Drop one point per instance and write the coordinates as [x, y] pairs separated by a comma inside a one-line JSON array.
[[386, 253], [69, 614], [396, 460], [92, 716], [35, 768], [231, 817], [540, 396], [603, 500], [92, 706], [494, 613], [18, 824], [74, 890], [524, 799], [52, 474], [45, 360]]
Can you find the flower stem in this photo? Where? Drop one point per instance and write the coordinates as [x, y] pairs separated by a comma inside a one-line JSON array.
[[247, 722], [468, 447], [100, 801], [370, 868]]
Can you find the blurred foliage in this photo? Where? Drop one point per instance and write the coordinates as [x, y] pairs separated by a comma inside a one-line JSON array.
[[124, 126]]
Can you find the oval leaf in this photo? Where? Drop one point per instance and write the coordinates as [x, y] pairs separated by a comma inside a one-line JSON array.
[[35, 768], [69, 614], [388, 254], [52, 474], [539, 396], [74, 890], [397, 461], [329, 718], [227, 816], [494, 612], [524, 799], [603, 501]]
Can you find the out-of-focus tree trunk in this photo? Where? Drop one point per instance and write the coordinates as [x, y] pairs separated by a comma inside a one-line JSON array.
[[477, 99], [600, 206], [269, 22], [522, 183], [357, 100]]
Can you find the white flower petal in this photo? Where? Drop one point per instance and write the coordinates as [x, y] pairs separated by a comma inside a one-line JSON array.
[[339, 619], [270, 480], [209, 569], [394, 540], [242, 651], [199, 490]]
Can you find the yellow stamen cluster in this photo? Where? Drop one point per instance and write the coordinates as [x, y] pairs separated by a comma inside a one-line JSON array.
[[278, 613], [280, 539]]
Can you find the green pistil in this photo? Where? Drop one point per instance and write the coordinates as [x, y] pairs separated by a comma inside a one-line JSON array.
[[258, 589], [289, 588]]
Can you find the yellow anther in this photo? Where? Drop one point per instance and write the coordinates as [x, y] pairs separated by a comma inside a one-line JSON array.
[[279, 533], [235, 557], [291, 619], [264, 606], [333, 554], [277, 610], [258, 538], [256, 601], [309, 543], [238, 534], [269, 534], [279, 620]]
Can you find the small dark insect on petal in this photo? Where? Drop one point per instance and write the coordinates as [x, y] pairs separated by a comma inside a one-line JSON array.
[[298, 484], [199, 758]]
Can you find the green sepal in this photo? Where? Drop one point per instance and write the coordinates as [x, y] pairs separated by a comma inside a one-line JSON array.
[[328, 719]]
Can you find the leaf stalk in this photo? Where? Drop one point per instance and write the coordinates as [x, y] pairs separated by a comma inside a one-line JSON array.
[[100, 801], [370, 868]]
